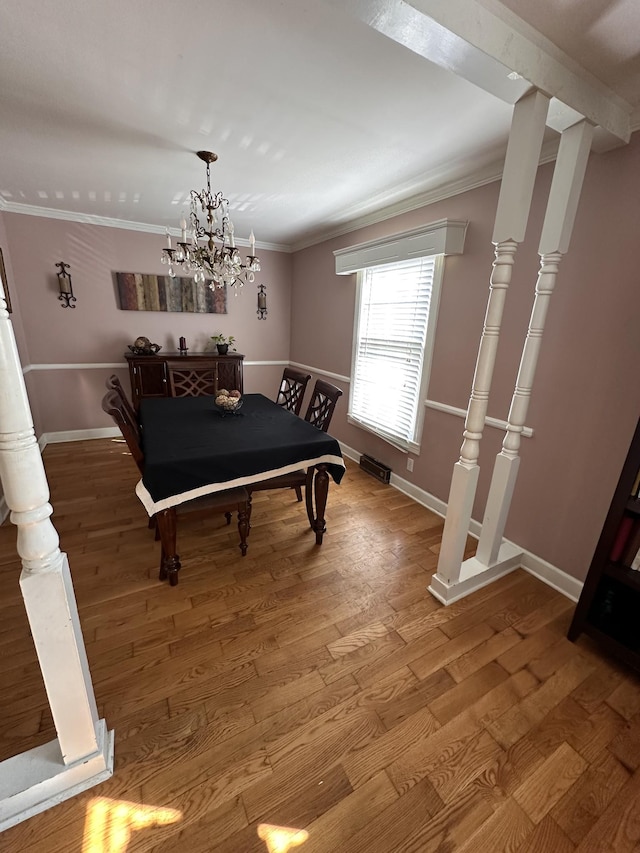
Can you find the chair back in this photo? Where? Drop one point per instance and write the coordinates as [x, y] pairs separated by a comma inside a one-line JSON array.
[[113, 405], [194, 382], [292, 388], [322, 403], [114, 384]]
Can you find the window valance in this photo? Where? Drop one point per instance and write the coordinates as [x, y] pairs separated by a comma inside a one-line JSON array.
[[444, 237]]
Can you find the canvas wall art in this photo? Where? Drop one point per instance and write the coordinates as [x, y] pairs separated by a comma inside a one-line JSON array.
[[142, 292]]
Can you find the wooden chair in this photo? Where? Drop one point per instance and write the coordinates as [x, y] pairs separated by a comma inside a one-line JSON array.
[[322, 404], [228, 501], [191, 382], [319, 413], [115, 405], [114, 384], [292, 388]]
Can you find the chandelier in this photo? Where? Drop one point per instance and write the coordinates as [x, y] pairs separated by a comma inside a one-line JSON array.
[[218, 258]]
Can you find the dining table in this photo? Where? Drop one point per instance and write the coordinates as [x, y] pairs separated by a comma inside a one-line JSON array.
[[193, 448]]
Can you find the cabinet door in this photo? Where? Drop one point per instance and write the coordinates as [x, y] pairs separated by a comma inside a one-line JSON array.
[[230, 374], [150, 379]]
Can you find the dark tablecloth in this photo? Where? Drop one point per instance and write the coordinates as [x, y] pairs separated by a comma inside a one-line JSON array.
[[191, 449]]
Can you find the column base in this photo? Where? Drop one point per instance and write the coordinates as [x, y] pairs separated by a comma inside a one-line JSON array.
[[35, 780], [474, 575]]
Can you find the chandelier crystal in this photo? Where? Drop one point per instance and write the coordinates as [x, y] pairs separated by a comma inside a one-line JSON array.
[[218, 258]]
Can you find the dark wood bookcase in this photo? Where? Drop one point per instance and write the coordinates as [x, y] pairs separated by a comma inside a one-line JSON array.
[[609, 605]]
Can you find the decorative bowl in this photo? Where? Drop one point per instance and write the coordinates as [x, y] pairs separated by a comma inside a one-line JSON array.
[[228, 405], [152, 349]]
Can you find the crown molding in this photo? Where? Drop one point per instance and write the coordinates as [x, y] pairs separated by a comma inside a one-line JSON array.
[[109, 222]]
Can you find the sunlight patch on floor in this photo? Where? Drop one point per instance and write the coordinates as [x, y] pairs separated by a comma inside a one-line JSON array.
[[280, 839], [110, 823]]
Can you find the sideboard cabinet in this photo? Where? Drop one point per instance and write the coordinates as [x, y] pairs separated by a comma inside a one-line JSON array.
[[150, 375]]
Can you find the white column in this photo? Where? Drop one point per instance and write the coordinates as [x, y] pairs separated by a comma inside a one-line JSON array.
[[563, 200], [516, 191], [82, 754]]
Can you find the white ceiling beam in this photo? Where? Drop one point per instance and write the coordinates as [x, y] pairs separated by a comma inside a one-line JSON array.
[[504, 59]]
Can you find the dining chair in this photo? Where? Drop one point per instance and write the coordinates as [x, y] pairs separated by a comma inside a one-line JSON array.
[[322, 404], [115, 405], [228, 501], [114, 384], [319, 413], [191, 382], [292, 388]]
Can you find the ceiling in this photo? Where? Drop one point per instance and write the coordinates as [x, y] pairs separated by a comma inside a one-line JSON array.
[[318, 118]]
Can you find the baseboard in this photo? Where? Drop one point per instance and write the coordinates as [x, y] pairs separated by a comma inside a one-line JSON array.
[[77, 435], [4, 510], [552, 575]]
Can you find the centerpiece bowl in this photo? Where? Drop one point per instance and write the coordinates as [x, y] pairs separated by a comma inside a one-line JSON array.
[[228, 402]]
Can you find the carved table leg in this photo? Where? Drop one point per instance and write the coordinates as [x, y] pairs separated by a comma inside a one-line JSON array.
[[244, 514], [308, 496], [169, 560], [321, 489]]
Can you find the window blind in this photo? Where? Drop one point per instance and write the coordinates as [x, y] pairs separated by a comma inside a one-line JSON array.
[[395, 300]]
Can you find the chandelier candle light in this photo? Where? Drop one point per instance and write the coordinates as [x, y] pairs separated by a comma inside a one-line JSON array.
[[220, 261]]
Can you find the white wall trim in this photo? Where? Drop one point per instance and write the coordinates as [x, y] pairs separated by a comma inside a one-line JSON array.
[[77, 435], [122, 365], [283, 363], [109, 222], [317, 370], [462, 413], [444, 237], [552, 576], [4, 509], [107, 365], [527, 432]]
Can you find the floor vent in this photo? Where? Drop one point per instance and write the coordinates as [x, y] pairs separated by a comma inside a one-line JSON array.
[[376, 469]]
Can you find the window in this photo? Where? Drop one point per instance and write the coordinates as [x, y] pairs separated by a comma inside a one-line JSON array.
[[395, 327], [396, 311]]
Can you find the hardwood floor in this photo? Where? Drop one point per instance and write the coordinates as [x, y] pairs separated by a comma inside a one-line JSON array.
[[319, 689]]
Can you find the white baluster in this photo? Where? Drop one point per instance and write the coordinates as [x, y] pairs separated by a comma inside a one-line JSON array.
[[523, 153], [562, 204], [82, 754]]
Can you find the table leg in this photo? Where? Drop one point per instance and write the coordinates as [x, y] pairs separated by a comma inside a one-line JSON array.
[[308, 496], [321, 489], [244, 514], [169, 560]]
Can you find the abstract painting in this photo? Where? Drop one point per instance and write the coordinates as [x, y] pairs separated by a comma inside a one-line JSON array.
[[142, 292]]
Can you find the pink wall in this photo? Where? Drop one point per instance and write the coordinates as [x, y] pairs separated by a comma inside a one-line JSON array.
[[97, 331], [585, 401]]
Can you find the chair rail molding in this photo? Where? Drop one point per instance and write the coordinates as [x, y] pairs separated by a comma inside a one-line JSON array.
[[527, 432]]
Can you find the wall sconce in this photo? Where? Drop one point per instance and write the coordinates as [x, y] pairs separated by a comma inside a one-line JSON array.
[[262, 303], [64, 283]]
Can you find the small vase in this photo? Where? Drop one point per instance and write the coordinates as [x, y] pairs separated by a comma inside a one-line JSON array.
[[222, 348]]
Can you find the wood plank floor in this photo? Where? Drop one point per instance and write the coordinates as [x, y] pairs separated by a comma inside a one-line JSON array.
[[318, 689]]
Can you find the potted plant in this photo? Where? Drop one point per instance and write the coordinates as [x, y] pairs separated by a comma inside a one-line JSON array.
[[224, 343]]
